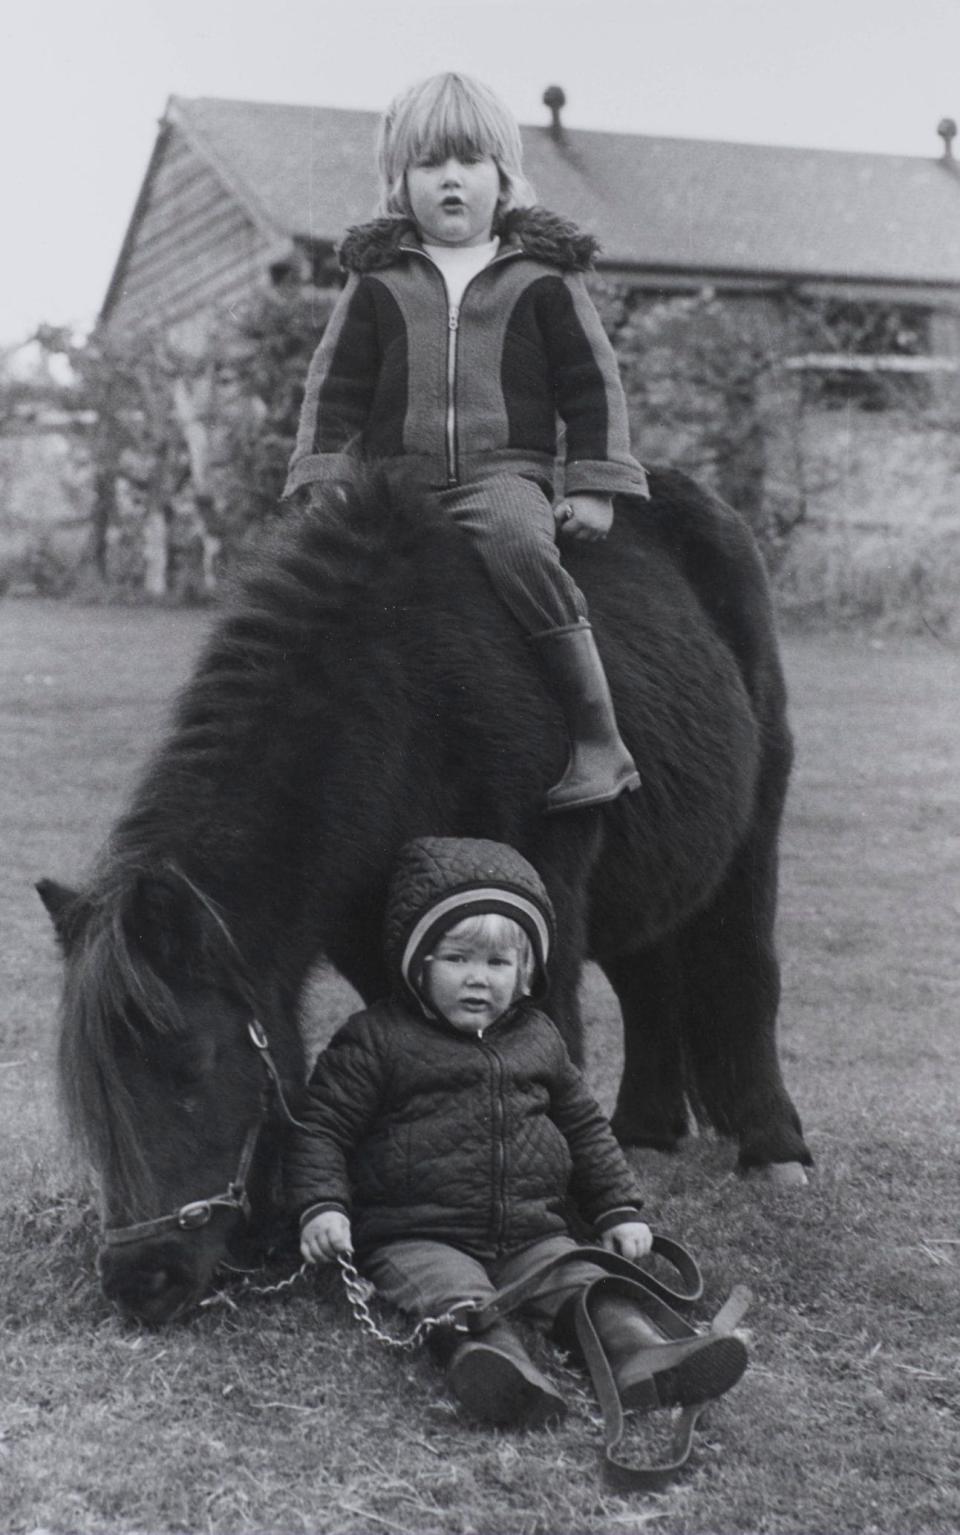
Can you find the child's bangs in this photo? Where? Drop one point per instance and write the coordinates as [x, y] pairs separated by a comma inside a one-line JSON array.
[[454, 117], [493, 928], [457, 131]]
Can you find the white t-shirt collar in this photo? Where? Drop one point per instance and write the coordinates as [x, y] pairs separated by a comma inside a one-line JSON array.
[[460, 263]]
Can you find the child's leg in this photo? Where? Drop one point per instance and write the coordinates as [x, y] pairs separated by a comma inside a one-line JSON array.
[[426, 1278], [510, 521], [546, 1303], [491, 1373]]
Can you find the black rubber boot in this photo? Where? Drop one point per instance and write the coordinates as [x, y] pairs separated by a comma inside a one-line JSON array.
[[652, 1371], [600, 767], [496, 1381]]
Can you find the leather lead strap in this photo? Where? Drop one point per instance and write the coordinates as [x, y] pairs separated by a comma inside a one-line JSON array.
[[513, 1295], [619, 1474]]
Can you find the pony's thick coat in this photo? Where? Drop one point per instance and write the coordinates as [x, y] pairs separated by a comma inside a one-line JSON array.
[[364, 688]]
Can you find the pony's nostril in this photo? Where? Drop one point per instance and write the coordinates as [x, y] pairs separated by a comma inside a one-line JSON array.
[[142, 1284]]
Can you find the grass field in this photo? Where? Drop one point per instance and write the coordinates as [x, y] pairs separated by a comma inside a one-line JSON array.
[[276, 1415]]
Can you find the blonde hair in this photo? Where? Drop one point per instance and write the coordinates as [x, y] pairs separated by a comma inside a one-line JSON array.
[[495, 929], [449, 114]]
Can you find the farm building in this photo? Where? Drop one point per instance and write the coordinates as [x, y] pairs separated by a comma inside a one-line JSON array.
[[238, 193], [854, 433]]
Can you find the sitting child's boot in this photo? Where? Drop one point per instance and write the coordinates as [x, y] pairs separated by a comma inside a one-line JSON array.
[[494, 1378], [600, 767], [651, 1371]]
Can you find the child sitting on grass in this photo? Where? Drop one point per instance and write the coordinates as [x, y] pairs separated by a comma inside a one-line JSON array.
[[445, 1129]]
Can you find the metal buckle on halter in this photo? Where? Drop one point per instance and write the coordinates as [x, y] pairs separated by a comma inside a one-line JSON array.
[[258, 1034], [194, 1215]]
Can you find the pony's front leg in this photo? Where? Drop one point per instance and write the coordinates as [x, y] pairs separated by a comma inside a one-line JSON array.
[[651, 1105], [563, 1004]]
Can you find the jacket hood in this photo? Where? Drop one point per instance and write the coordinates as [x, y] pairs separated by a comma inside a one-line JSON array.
[[441, 880], [535, 231]]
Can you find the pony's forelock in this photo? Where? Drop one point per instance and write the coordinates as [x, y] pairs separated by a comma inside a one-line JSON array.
[[105, 991], [114, 1001]]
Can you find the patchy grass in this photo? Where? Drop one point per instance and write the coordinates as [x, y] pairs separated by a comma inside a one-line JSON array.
[[277, 1415]]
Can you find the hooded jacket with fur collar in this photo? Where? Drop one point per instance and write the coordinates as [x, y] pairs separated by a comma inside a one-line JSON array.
[[452, 396], [417, 1130]]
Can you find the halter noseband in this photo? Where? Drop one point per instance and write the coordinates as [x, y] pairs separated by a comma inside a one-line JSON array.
[[199, 1212]]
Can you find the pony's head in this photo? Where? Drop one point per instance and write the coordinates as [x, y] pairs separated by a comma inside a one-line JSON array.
[[167, 1081]]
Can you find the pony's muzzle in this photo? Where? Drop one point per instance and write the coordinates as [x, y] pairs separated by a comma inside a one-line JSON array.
[[154, 1281]]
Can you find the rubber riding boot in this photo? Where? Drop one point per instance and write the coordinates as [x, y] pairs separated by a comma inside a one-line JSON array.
[[600, 767], [494, 1378], [652, 1371]]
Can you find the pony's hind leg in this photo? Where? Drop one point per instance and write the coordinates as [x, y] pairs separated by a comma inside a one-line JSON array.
[[651, 1105], [731, 980]]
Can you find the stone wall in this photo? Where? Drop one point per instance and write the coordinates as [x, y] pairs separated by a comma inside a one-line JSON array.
[[858, 509]]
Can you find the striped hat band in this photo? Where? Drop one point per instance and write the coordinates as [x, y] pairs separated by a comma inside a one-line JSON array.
[[476, 901]]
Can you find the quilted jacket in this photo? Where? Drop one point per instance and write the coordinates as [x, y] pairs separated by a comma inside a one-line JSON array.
[[417, 1130], [449, 396]]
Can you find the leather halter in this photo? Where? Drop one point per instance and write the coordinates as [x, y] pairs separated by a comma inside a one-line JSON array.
[[199, 1212]]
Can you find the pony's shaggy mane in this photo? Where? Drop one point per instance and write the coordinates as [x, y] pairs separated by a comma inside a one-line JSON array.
[[301, 597]]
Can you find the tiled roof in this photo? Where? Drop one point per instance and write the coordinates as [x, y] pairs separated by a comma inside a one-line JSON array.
[[662, 203]]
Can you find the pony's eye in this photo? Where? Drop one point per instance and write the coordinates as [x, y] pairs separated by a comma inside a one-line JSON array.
[[184, 1077]]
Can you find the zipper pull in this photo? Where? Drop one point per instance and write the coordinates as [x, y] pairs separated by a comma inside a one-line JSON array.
[[453, 319]]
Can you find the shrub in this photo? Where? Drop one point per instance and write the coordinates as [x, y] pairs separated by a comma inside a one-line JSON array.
[[40, 567]]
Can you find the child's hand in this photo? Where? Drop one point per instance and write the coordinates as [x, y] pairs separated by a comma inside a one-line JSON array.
[[325, 1236], [584, 516], [633, 1239]]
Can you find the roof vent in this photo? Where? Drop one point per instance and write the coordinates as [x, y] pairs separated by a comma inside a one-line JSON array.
[[947, 130], [555, 98]]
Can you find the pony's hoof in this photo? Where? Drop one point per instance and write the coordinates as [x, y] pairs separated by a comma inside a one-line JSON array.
[[781, 1175]]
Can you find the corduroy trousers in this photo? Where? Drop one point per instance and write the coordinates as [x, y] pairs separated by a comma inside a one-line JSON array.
[[426, 1278], [510, 520]]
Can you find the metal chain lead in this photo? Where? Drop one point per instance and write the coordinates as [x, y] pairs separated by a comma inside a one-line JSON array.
[[221, 1298], [282, 1284], [359, 1291]]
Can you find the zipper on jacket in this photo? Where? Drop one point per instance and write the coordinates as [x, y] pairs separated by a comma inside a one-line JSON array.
[[453, 328], [499, 1141]]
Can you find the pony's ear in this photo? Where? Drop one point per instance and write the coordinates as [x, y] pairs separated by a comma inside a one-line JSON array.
[[66, 908], [162, 920]]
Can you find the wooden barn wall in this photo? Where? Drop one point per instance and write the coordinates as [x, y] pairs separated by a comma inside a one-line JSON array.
[[194, 248]]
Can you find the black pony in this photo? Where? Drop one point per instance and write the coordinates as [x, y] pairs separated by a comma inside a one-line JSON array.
[[363, 688]]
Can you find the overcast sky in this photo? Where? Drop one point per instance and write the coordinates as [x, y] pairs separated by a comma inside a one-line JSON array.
[[83, 82]]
